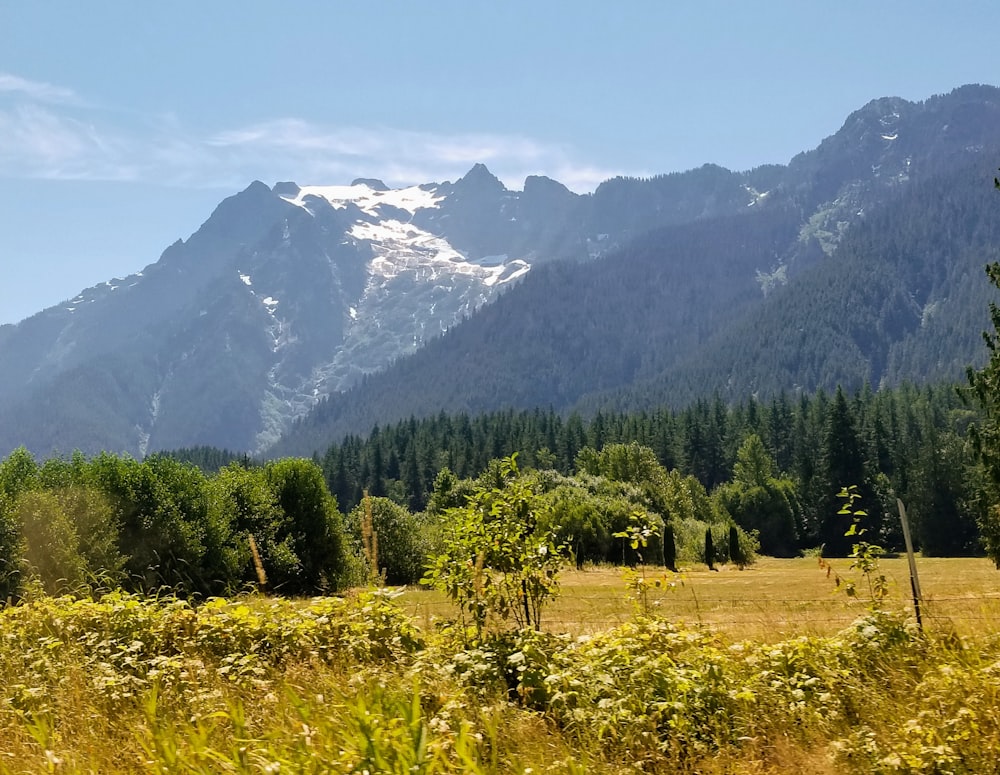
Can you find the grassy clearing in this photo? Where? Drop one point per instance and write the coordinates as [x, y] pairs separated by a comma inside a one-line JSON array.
[[771, 600], [129, 684]]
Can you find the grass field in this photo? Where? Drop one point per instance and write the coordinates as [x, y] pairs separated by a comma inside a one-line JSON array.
[[771, 600]]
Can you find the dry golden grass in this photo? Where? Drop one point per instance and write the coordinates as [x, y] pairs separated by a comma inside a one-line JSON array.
[[771, 600]]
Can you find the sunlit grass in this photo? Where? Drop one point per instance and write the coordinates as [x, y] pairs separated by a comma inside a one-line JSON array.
[[770, 600]]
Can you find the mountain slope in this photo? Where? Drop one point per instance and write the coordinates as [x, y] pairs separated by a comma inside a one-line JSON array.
[[903, 298], [282, 296], [878, 280]]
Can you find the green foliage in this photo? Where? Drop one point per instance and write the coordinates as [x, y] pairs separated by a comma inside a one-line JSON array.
[[653, 692], [271, 685], [497, 564], [640, 530], [582, 520], [130, 644], [400, 540], [946, 494], [18, 474], [159, 523], [680, 500], [160, 509], [93, 517], [760, 502], [11, 548], [895, 431], [984, 386], [449, 492], [308, 524], [843, 465], [736, 556], [51, 544], [669, 548], [865, 555], [241, 504]]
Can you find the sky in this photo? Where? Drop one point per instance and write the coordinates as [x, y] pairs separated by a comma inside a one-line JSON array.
[[123, 124]]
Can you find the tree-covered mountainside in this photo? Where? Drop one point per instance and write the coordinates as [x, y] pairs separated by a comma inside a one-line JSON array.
[[903, 297], [680, 314]]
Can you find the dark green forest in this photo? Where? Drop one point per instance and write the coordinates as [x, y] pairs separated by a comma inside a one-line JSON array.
[[909, 443]]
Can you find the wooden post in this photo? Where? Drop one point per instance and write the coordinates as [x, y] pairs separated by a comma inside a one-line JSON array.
[[914, 581], [257, 564]]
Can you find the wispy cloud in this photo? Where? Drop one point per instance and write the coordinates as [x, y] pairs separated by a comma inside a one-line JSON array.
[[48, 132], [38, 90]]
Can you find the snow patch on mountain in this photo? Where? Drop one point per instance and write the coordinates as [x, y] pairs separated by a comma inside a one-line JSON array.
[[368, 199], [402, 247]]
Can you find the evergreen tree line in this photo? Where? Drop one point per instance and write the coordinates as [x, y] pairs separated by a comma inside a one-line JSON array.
[[908, 443]]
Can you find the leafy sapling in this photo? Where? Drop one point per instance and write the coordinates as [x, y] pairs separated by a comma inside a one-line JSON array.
[[638, 534], [865, 555], [497, 564]]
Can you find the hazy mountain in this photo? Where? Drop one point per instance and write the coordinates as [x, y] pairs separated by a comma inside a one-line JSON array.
[[292, 293]]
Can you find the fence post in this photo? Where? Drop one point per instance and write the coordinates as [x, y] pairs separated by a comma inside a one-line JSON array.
[[914, 581]]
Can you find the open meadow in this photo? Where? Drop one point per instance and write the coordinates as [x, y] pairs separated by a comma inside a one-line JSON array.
[[770, 600], [764, 670]]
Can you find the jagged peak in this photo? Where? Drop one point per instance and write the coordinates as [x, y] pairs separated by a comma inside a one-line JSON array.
[[257, 187], [480, 177], [542, 183]]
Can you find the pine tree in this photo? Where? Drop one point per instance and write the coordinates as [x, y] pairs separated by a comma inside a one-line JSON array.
[[735, 552]]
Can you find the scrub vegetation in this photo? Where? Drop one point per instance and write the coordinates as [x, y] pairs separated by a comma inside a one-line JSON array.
[[126, 683]]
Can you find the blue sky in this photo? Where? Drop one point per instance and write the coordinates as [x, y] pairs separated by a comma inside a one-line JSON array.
[[123, 124]]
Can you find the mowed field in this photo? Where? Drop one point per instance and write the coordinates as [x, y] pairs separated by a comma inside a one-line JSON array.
[[771, 600]]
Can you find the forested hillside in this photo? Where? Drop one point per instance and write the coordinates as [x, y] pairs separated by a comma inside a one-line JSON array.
[[681, 314], [904, 297]]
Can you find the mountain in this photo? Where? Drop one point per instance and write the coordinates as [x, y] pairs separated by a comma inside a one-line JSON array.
[[325, 309], [283, 295], [861, 261]]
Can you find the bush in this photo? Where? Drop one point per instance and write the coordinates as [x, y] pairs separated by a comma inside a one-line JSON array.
[[398, 536]]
